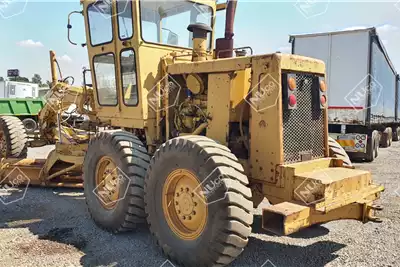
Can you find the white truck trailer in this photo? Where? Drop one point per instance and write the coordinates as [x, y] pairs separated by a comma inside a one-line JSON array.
[[11, 89], [362, 88]]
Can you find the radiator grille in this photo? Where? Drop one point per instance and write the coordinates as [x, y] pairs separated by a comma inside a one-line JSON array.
[[303, 127]]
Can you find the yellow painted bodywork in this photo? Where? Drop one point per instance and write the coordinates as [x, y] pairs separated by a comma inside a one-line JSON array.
[[229, 83], [62, 167]]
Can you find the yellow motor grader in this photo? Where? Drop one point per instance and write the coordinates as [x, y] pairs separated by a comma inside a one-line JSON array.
[[190, 136]]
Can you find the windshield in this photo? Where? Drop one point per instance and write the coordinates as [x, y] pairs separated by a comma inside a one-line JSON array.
[[166, 22]]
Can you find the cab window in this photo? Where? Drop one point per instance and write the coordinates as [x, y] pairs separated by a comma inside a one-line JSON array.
[[166, 22], [125, 22], [129, 83], [104, 70], [100, 24]]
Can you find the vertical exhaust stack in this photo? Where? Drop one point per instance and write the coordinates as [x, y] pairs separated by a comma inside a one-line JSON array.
[[53, 67], [224, 46], [200, 31]]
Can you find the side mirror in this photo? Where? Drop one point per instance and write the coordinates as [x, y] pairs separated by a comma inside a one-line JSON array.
[[69, 27]]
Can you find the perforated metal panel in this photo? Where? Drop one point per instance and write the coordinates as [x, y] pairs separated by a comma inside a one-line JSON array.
[[303, 127]]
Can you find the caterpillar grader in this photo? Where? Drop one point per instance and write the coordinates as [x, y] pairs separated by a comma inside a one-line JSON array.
[[189, 136]]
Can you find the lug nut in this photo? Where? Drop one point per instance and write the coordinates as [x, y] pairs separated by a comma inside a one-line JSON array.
[[194, 213], [195, 203], [184, 217], [192, 194], [179, 211], [190, 217], [176, 203], [181, 189], [187, 189], [177, 194]]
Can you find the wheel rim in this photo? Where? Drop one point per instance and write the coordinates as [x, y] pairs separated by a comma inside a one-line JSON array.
[[186, 212], [3, 145], [107, 184], [29, 126]]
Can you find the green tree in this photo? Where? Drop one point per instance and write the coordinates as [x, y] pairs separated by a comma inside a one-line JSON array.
[[37, 79], [21, 79], [48, 83]]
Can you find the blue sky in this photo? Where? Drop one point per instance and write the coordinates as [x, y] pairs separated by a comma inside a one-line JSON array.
[[27, 37]]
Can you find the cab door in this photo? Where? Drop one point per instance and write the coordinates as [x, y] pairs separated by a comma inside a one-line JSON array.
[[126, 42], [112, 57], [101, 51]]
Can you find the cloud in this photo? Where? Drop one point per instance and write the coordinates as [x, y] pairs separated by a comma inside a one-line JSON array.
[[387, 28], [352, 28], [285, 49], [386, 32], [29, 43], [65, 58]]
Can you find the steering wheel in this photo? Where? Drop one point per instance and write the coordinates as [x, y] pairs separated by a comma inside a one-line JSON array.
[[65, 80]]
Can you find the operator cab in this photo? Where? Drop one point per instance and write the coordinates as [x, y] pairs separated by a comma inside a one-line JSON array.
[[126, 41]]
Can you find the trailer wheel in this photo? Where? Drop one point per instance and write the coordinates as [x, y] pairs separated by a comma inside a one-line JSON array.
[[396, 134], [198, 204], [13, 138], [373, 146], [337, 151], [114, 169], [30, 125], [386, 138], [376, 149]]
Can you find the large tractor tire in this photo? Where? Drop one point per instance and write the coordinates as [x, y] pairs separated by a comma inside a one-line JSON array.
[[13, 138], [114, 169], [337, 151], [198, 202], [30, 125]]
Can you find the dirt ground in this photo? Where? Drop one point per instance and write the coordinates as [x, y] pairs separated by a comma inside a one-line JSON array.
[[51, 227]]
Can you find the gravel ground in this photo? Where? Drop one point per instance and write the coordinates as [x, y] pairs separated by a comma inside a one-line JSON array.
[[51, 227]]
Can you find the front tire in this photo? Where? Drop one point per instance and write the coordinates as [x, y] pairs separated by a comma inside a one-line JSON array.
[[114, 169], [179, 170], [13, 138]]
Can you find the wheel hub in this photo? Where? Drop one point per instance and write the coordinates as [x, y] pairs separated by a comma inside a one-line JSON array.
[[186, 213], [107, 183]]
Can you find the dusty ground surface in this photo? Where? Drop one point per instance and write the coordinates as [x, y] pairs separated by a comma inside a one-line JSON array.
[[51, 227]]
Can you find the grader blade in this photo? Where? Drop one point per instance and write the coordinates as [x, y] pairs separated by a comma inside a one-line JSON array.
[[18, 172]]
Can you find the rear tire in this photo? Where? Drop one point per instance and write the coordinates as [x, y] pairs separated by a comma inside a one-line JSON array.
[[337, 151], [130, 157], [227, 223], [13, 138], [30, 125]]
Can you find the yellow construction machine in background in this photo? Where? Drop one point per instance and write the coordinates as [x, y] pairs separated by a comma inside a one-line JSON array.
[[190, 137]]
